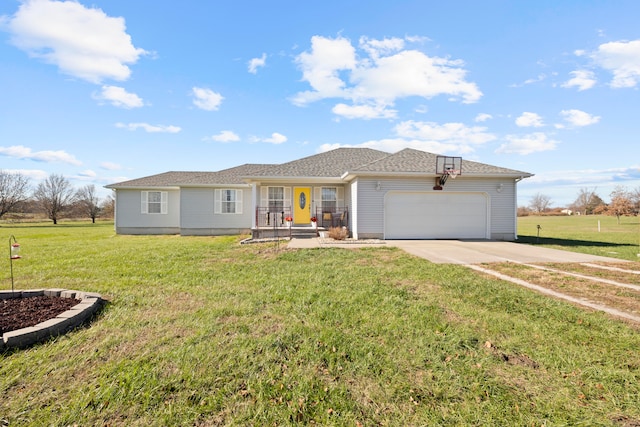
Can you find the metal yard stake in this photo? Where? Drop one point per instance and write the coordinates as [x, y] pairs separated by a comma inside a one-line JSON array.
[[14, 253]]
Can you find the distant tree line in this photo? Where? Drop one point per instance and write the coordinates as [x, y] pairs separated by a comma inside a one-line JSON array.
[[624, 202], [54, 197]]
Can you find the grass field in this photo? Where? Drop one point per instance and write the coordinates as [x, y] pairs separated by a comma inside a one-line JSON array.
[[203, 331], [580, 234]]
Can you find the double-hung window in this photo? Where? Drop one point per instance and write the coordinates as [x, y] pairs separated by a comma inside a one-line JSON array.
[[329, 199], [154, 202], [276, 199], [228, 201]]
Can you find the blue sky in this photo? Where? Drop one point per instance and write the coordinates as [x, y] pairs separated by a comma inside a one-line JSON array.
[[107, 90]]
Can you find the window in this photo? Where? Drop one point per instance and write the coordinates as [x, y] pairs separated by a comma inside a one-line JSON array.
[[329, 199], [228, 201], [154, 202], [276, 199]]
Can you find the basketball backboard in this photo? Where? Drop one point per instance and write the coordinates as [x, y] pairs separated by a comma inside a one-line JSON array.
[[448, 165]]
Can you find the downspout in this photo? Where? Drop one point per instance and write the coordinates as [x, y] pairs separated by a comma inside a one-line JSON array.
[[515, 204]]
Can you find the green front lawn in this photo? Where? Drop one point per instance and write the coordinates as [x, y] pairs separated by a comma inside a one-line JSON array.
[[203, 331], [580, 233]]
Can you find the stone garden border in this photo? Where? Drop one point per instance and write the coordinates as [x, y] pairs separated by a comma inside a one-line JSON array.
[[89, 303]]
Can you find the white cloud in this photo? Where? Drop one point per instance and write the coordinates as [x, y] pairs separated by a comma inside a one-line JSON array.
[[376, 48], [225, 136], [529, 120], [22, 152], [149, 128], [537, 79], [592, 177], [527, 144], [119, 97], [582, 79], [482, 117], [622, 58], [206, 99], [37, 174], [110, 166], [88, 174], [321, 67], [384, 72], [254, 63], [451, 133], [428, 136], [363, 111], [82, 42], [577, 118], [276, 138]]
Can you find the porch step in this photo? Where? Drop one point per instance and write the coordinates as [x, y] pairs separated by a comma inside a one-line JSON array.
[[303, 233], [294, 232]]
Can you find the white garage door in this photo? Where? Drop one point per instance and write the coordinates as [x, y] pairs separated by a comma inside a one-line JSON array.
[[435, 216]]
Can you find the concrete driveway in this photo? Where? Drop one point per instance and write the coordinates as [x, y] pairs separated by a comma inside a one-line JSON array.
[[483, 251]]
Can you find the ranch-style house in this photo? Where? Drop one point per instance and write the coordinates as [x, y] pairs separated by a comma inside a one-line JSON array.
[[410, 194]]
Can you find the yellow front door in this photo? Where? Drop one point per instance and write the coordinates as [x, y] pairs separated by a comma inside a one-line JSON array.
[[302, 205]]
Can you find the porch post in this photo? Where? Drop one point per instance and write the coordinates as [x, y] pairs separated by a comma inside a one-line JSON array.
[[254, 205]]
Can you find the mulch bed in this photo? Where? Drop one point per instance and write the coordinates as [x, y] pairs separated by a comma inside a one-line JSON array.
[[18, 313]]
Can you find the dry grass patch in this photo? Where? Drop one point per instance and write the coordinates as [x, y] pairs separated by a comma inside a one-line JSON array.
[[624, 299], [612, 272]]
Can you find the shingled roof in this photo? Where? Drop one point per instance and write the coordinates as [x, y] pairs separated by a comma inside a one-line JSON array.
[[332, 163], [229, 176], [410, 161], [339, 163]]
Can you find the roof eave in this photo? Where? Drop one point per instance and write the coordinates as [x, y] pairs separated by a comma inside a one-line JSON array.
[[348, 176], [293, 179], [142, 187]]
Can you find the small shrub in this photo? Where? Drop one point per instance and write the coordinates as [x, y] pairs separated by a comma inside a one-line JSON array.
[[338, 233]]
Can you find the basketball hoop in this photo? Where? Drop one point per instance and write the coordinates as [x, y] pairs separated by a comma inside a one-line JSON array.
[[447, 166]]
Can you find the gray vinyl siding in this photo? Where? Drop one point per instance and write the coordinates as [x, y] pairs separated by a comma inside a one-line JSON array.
[[198, 217], [130, 219], [368, 207]]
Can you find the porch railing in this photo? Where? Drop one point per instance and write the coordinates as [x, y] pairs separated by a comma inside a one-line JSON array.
[[327, 217], [332, 217], [269, 218]]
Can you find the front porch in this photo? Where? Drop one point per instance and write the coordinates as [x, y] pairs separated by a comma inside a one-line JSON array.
[[283, 223]]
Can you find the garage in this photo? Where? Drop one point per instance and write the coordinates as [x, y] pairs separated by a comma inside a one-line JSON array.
[[430, 215]]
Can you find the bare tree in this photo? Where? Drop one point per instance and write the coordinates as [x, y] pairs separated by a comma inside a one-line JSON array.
[[587, 201], [620, 203], [88, 202], [54, 195], [540, 203], [635, 199], [14, 189], [108, 206]]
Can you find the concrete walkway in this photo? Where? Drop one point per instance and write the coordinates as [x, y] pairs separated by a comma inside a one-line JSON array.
[[465, 251]]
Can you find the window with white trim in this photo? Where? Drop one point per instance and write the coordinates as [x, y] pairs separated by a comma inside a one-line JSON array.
[[329, 199], [276, 199], [228, 201], [154, 202]]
